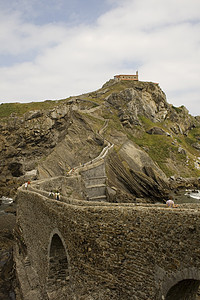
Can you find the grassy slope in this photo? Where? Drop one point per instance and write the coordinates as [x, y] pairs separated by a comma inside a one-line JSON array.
[[6, 109], [161, 149]]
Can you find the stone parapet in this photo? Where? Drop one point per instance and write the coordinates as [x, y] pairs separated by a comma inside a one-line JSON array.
[[113, 250]]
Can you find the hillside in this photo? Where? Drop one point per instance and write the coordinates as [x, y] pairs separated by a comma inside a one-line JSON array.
[[153, 140]]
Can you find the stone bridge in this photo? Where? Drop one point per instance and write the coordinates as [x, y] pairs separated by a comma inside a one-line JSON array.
[[91, 250]]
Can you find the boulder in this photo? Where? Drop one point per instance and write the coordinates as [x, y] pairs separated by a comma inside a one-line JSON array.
[[196, 146], [182, 151], [31, 175], [156, 130]]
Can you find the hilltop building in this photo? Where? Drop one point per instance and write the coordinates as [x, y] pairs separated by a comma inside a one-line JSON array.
[[126, 77]]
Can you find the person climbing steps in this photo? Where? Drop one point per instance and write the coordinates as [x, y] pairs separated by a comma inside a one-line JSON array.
[[170, 204]]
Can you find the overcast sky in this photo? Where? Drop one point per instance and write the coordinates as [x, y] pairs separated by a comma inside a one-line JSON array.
[[59, 48]]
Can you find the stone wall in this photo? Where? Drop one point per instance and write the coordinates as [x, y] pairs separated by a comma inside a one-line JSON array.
[[71, 187], [94, 177], [113, 251]]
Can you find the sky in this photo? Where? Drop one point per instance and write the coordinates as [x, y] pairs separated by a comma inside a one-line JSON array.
[[60, 48]]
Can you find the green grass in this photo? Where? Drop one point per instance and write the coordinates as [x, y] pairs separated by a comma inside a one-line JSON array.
[[6, 109], [188, 141], [114, 122], [147, 123], [119, 86], [97, 124], [160, 149]]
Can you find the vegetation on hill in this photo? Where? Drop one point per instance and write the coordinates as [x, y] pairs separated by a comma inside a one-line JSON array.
[[63, 133], [18, 109]]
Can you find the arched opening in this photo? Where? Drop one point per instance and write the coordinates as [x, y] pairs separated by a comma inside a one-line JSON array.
[[184, 290], [58, 273]]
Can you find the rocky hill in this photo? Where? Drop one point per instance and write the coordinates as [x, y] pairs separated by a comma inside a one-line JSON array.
[[153, 140]]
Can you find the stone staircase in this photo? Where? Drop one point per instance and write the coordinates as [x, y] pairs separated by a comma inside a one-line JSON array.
[[94, 178], [93, 172]]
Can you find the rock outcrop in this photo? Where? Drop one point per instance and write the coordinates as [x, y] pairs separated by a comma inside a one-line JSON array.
[[134, 173], [49, 142], [140, 100], [126, 130]]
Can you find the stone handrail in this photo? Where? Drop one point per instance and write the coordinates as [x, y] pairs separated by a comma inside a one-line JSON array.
[[44, 195]]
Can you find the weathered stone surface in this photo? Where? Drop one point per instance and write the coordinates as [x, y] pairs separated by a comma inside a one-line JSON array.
[[139, 181], [52, 141], [142, 99], [7, 271], [56, 139], [157, 130], [196, 146], [111, 250], [31, 175], [182, 151], [33, 114]]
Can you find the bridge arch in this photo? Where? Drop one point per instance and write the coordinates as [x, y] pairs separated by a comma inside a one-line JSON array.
[[58, 277], [183, 285]]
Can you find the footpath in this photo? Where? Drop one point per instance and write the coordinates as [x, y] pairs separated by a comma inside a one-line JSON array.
[[93, 171]]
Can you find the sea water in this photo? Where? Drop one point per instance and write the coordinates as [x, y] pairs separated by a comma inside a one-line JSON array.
[[4, 203], [187, 196], [195, 194], [6, 200]]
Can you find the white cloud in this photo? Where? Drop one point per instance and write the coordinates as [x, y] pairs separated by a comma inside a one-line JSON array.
[[17, 37], [160, 38]]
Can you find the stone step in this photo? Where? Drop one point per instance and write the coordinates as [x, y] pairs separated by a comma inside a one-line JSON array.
[[96, 191], [96, 186], [98, 198], [94, 181], [97, 177]]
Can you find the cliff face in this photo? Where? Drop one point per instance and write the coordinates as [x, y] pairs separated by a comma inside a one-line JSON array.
[[49, 141], [24, 140], [148, 100]]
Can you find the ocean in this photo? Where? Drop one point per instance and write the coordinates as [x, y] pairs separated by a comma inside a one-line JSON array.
[[187, 196]]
